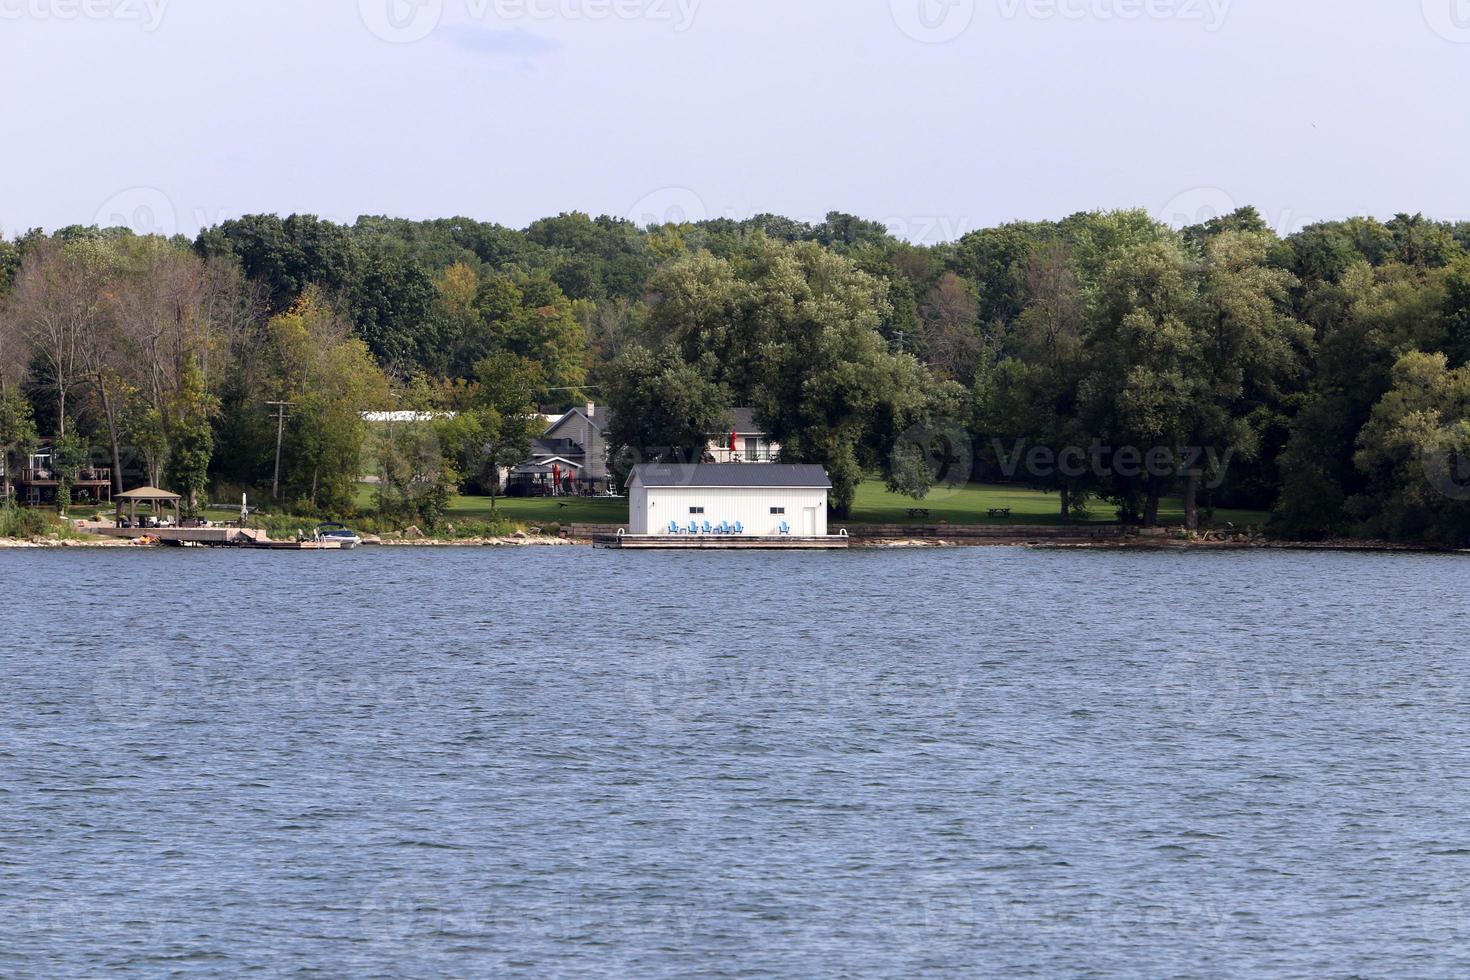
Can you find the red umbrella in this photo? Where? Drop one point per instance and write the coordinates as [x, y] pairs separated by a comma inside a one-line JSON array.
[[733, 436]]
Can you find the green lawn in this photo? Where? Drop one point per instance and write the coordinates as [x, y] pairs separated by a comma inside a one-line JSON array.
[[971, 505], [874, 505]]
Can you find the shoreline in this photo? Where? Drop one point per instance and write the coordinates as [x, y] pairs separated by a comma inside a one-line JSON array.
[[1141, 543]]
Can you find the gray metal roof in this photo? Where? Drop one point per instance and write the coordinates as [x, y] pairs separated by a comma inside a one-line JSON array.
[[800, 475], [745, 421]]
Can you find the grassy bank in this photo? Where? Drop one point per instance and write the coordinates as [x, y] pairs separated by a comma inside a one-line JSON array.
[[873, 505]]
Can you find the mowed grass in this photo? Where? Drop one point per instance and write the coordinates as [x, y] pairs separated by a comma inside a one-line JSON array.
[[874, 505], [972, 504]]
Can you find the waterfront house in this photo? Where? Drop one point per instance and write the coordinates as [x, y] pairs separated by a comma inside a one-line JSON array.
[[769, 499], [572, 455], [748, 442], [37, 482]]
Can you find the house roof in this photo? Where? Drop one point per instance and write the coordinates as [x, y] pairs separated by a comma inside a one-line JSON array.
[[600, 420], [745, 423], [808, 476]]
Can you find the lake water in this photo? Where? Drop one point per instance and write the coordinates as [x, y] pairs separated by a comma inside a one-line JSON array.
[[576, 763]]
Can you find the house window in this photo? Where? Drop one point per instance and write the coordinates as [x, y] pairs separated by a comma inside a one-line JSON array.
[[778, 511], [696, 510]]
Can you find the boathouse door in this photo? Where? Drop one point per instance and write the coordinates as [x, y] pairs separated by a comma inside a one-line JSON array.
[[809, 521]]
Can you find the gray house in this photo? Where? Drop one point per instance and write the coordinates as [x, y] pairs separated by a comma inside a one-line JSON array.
[[570, 457]]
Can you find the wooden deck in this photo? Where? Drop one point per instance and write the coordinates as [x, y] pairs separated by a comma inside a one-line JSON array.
[[718, 542], [218, 537]]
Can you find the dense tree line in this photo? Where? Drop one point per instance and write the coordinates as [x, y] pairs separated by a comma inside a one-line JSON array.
[[1104, 356]]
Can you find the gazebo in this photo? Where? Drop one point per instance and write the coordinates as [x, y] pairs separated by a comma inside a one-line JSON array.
[[148, 495]]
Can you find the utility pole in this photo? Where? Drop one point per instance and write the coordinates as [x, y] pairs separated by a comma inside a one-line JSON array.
[[280, 408]]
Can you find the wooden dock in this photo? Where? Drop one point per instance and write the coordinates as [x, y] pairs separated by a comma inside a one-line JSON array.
[[718, 542], [215, 537]]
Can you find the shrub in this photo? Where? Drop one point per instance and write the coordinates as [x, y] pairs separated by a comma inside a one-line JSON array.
[[21, 522]]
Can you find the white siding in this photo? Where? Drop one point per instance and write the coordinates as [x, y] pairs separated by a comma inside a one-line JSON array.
[[650, 509]]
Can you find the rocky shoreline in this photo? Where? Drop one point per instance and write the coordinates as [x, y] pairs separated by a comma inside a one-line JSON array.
[[523, 540]]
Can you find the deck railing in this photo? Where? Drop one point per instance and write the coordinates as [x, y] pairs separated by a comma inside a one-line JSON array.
[[91, 474], [740, 456]]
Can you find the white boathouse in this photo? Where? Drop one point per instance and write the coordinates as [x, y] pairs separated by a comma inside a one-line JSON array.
[[747, 499]]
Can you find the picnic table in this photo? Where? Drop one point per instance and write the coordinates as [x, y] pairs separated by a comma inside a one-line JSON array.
[[918, 512], [1000, 512]]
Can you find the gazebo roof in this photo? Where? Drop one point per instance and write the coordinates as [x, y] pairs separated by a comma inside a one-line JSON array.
[[148, 493]]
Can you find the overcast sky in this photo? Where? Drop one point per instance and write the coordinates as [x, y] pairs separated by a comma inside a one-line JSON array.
[[935, 116]]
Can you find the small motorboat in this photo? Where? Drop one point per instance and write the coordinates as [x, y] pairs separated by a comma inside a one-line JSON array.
[[339, 534]]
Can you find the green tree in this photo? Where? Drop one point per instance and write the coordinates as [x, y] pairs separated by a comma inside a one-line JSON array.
[[191, 437], [662, 408]]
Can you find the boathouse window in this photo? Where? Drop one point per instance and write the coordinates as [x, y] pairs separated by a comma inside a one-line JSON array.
[[778, 511], [696, 510]]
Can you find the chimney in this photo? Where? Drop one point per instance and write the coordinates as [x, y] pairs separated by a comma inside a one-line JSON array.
[[592, 410]]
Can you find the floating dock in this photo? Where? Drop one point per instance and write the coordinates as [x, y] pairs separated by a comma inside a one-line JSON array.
[[719, 542]]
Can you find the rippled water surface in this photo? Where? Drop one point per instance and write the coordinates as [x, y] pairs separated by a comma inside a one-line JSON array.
[[577, 763]]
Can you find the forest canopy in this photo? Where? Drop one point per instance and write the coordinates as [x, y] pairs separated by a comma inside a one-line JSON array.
[[1324, 376]]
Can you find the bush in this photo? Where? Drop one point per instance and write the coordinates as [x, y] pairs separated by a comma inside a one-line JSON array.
[[21, 522]]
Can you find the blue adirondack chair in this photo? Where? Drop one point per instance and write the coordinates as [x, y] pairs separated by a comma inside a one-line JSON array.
[[707, 529], [724, 528], [739, 528], [693, 528], [785, 528], [673, 528]]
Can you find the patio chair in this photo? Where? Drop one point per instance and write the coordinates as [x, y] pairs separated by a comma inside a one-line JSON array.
[[785, 528], [739, 528], [693, 528], [673, 528], [707, 529]]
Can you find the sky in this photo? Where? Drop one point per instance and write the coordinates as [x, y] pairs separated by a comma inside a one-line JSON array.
[[936, 117]]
